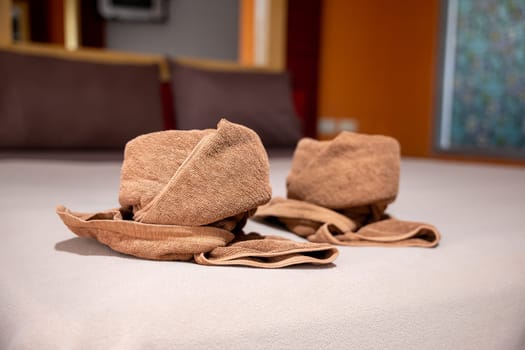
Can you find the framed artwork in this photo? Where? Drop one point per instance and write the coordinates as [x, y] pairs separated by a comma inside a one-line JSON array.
[[482, 102]]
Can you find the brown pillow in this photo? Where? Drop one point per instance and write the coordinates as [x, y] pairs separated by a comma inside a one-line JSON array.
[[50, 102], [257, 99]]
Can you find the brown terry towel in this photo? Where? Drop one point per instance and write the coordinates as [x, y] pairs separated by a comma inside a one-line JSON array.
[[338, 192], [187, 195]]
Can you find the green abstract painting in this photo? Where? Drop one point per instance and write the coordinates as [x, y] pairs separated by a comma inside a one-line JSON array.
[[485, 109]]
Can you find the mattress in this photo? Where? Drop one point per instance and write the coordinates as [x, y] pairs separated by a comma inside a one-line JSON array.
[[59, 291]]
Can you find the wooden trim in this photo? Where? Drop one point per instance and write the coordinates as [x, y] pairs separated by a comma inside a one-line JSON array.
[[223, 65], [71, 24], [118, 57], [93, 55], [262, 33], [6, 31], [277, 34]]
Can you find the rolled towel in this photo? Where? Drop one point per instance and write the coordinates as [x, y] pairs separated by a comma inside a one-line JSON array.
[[338, 192], [185, 194]]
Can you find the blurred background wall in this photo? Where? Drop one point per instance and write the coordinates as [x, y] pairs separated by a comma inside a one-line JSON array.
[[198, 28], [359, 65]]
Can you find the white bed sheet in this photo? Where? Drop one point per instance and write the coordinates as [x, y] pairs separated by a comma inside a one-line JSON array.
[[58, 291]]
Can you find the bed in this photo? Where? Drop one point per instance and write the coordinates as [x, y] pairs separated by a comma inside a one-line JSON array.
[[59, 291]]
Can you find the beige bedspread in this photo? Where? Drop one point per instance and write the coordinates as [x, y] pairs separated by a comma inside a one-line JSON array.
[[58, 291]]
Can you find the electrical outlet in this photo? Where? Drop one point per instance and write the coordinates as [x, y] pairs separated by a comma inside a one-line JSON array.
[[326, 126], [330, 127], [348, 124]]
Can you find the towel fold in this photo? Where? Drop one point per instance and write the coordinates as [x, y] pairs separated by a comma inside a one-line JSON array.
[[149, 241], [268, 251], [338, 192], [186, 195]]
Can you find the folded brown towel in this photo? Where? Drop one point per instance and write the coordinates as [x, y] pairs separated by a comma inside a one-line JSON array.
[[270, 251], [187, 195], [338, 192]]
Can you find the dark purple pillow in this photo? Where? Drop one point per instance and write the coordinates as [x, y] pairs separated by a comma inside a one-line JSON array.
[[51, 102], [258, 99]]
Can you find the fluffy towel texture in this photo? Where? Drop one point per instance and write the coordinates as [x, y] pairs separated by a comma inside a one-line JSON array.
[[338, 192], [186, 195], [199, 177]]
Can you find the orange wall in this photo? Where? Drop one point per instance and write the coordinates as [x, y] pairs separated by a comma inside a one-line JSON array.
[[378, 62]]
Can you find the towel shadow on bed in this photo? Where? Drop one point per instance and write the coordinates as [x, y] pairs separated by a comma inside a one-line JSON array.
[[87, 247]]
